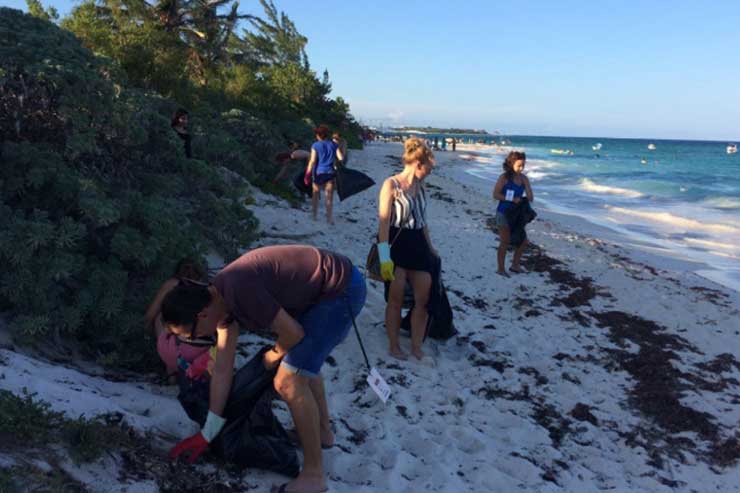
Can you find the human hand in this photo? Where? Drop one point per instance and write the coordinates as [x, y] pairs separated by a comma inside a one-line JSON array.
[[307, 178], [271, 359], [386, 270], [516, 200], [193, 446]]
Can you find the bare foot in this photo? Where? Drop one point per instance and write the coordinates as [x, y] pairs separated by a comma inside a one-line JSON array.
[[304, 483], [327, 438], [516, 270], [398, 354], [502, 273], [418, 353]]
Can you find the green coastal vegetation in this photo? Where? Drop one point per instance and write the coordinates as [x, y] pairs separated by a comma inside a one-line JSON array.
[[97, 198], [435, 130]]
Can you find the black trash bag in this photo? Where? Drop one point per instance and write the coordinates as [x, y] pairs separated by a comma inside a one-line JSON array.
[[440, 325], [259, 440], [252, 435], [351, 182], [300, 185]]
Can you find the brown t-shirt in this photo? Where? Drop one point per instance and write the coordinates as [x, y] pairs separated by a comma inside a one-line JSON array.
[[256, 285]]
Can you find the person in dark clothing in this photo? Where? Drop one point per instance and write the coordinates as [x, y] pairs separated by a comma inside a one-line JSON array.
[[179, 124], [509, 190]]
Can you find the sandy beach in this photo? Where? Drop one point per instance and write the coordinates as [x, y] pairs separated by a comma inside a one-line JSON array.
[[604, 367]]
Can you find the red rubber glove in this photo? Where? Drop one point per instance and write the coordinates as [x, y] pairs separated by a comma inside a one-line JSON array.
[[307, 178], [195, 446]]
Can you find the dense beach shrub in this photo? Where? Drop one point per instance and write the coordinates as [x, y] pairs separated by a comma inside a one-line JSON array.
[[97, 201]]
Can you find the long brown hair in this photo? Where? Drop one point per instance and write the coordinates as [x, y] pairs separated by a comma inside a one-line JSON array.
[[513, 157]]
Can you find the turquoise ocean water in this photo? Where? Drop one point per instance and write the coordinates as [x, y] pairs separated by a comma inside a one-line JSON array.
[[680, 199]]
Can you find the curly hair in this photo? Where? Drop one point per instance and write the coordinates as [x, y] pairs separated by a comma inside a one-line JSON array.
[[511, 158], [321, 131], [415, 149]]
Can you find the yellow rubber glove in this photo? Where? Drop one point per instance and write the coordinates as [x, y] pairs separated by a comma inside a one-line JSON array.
[[386, 270], [386, 264]]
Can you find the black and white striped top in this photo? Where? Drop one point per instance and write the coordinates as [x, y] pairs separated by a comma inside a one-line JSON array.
[[408, 212]]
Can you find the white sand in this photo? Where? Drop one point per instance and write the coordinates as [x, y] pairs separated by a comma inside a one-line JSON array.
[[490, 410]]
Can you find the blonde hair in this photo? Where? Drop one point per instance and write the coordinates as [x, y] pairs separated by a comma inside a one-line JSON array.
[[415, 149]]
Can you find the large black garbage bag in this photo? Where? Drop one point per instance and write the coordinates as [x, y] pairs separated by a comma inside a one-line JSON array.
[[252, 436], [440, 324], [351, 182], [259, 440], [301, 185]]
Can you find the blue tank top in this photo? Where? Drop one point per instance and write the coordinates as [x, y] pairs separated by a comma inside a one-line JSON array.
[[518, 192], [325, 155]]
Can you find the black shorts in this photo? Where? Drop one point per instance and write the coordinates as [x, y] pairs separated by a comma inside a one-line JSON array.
[[410, 250]]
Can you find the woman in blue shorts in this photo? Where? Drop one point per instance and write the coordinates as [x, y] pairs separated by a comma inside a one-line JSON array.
[[321, 170], [511, 186]]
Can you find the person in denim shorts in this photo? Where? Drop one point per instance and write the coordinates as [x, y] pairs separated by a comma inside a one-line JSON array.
[[309, 298]]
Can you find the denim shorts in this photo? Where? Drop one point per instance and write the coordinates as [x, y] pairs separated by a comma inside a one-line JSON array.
[[501, 220], [325, 325]]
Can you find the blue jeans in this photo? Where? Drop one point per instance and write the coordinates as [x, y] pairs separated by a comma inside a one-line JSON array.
[[325, 325]]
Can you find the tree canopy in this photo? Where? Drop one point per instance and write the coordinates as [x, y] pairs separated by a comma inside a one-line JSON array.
[[97, 199]]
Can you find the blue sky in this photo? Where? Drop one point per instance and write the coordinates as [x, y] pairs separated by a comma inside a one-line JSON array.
[[660, 69]]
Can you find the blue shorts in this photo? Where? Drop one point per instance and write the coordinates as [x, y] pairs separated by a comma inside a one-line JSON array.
[[325, 325], [323, 178]]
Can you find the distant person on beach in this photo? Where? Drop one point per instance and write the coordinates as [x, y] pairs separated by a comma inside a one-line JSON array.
[[168, 346], [454, 144], [510, 187], [179, 124], [285, 159], [444, 144], [308, 297], [320, 170], [342, 147], [404, 245]]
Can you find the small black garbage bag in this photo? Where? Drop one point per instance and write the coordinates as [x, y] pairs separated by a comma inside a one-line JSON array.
[[351, 182], [301, 185]]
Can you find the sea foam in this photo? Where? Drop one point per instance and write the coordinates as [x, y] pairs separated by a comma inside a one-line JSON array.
[[589, 186]]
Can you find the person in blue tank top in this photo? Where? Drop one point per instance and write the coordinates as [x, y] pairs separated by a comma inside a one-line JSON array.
[[511, 186], [321, 171]]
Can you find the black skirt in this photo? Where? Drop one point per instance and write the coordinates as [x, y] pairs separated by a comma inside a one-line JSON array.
[[410, 250]]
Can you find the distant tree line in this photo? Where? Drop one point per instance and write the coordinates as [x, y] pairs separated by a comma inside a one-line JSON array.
[[435, 130]]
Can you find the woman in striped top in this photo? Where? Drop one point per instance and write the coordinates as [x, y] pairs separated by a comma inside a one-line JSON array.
[[410, 255]]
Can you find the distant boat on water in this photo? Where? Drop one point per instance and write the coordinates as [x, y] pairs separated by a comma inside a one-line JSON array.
[[596, 147], [643, 161], [651, 147], [562, 152], [731, 148]]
